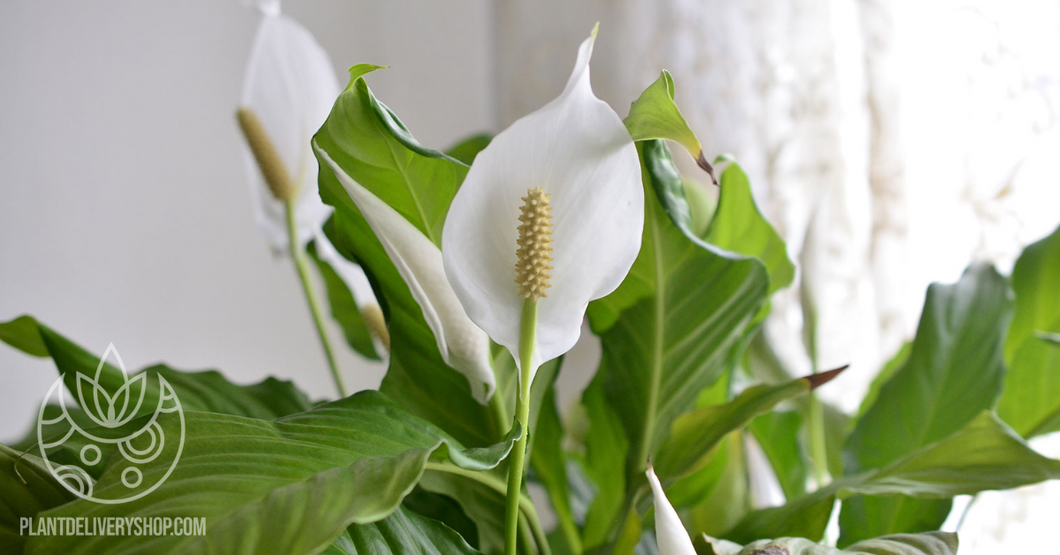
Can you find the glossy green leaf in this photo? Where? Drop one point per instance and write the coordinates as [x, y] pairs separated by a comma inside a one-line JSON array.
[[467, 149], [1030, 402], [695, 434], [668, 330], [374, 148], [740, 227], [931, 543], [402, 533], [655, 115], [954, 372], [286, 487], [805, 516], [344, 309], [23, 494]]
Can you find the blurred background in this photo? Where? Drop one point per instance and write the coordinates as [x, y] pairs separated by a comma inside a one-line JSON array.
[[891, 143]]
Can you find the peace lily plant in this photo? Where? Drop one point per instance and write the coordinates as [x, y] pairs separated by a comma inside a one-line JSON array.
[[485, 259]]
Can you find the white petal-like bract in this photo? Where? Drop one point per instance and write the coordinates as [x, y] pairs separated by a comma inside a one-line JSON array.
[[578, 151], [670, 534], [290, 85], [462, 344]]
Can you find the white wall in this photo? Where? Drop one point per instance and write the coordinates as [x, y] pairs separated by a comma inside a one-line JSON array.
[[124, 210]]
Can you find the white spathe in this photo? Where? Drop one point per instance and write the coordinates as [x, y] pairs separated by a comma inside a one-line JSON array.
[[576, 149], [461, 343], [670, 534], [290, 85]]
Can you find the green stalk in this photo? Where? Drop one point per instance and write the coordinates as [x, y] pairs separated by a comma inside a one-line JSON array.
[[300, 264], [527, 331]]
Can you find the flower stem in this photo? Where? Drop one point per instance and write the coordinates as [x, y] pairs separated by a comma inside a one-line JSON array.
[[300, 264], [527, 331]]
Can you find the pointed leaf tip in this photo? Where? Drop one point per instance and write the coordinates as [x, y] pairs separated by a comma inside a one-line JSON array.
[[821, 378], [702, 162]]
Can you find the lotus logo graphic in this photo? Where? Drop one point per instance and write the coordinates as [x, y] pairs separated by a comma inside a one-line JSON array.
[[112, 448]]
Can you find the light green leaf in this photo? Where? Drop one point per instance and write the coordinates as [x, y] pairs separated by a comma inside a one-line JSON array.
[[695, 434], [374, 148], [22, 333], [285, 487], [805, 516], [777, 433], [730, 498], [402, 533], [1030, 402], [344, 309], [739, 226], [953, 373], [24, 493], [655, 116], [606, 449], [931, 543]]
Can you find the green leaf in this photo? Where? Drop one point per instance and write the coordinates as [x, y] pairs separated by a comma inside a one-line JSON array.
[[778, 434], [24, 493], [344, 309], [1034, 279], [467, 149], [22, 333], [897, 361], [1030, 402], [984, 455], [668, 330], [931, 543], [205, 391], [805, 516], [739, 226], [285, 487], [730, 498], [606, 449], [953, 373], [374, 148], [655, 115], [695, 434], [402, 533]]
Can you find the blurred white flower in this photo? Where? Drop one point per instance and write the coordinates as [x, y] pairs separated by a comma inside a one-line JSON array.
[[290, 86], [670, 534], [574, 162]]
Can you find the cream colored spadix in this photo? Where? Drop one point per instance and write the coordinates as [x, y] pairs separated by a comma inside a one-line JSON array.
[[670, 534], [290, 86], [462, 344], [579, 155]]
